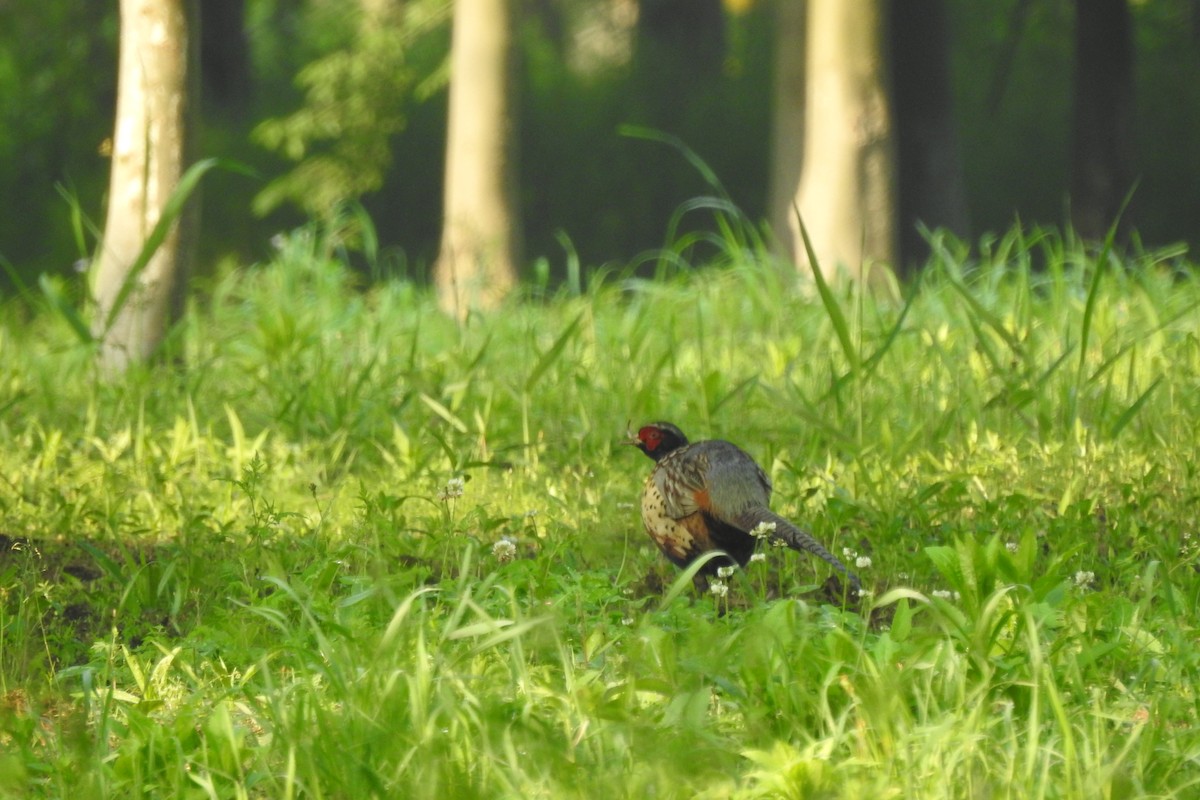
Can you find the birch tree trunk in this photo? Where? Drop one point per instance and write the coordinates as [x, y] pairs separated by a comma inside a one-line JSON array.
[[150, 144], [846, 193], [481, 237]]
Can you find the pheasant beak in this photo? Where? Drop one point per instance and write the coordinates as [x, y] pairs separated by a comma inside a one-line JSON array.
[[631, 438]]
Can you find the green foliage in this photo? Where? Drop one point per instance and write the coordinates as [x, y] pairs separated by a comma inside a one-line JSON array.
[[57, 95], [338, 546], [355, 101]]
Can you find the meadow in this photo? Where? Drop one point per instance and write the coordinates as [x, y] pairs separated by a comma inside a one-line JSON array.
[[335, 546]]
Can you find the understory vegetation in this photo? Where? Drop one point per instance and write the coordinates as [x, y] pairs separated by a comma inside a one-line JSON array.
[[335, 546]]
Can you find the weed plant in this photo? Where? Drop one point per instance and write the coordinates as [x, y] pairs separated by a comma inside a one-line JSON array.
[[334, 545]]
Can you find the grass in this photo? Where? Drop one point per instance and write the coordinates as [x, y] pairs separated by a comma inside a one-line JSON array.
[[338, 547]]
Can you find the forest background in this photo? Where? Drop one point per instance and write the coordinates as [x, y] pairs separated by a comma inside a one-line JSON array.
[[586, 191]]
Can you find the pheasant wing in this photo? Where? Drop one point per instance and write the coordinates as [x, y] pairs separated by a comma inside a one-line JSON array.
[[715, 477]]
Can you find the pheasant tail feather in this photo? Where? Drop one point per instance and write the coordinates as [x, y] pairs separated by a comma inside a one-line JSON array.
[[797, 539]]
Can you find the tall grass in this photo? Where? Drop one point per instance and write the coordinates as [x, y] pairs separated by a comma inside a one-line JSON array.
[[335, 546]]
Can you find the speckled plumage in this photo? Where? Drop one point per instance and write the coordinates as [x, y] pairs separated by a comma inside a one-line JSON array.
[[709, 495]]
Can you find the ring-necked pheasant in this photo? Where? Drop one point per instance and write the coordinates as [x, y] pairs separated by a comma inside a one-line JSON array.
[[710, 495]]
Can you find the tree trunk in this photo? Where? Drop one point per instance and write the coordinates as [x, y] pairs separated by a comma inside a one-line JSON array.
[[787, 128], [1103, 146], [932, 190], [846, 193], [481, 237], [155, 95]]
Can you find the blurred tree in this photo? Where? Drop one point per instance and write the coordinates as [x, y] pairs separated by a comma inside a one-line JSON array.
[[931, 188], [787, 127], [1102, 141], [846, 191], [224, 52], [156, 93], [680, 48], [355, 102], [679, 51], [57, 95], [481, 230], [598, 34]]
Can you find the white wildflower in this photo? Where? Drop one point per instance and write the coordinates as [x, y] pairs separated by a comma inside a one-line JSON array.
[[758, 557], [849, 553], [726, 572], [945, 594], [862, 562], [763, 530], [1084, 578], [718, 588], [454, 488], [504, 550], [1012, 547]]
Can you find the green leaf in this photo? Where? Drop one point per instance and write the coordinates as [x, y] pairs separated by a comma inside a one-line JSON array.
[[1128, 414], [945, 561], [655, 135], [170, 214], [65, 309], [902, 620], [832, 309], [550, 356]]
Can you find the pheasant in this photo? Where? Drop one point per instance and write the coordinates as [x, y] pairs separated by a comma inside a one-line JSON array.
[[710, 495]]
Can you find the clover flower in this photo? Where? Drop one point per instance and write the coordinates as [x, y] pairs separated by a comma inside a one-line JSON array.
[[504, 550], [454, 488], [763, 530]]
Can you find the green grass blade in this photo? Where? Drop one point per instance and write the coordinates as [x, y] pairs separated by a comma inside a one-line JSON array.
[[79, 220], [65, 308], [836, 317], [22, 288], [1128, 414], [985, 314], [872, 362], [1089, 308], [170, 215], [550, 356], [685, 578], [655, 135]]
